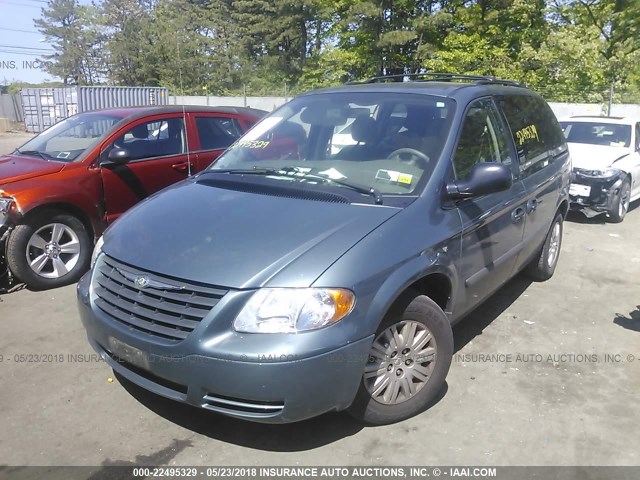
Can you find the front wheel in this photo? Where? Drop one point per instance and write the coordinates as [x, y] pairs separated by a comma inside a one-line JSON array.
[[49, 250], [408, 362], [621, 203]]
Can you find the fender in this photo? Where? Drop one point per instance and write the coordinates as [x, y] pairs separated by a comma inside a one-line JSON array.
[[394, 256], [50, 190], [428, 262]]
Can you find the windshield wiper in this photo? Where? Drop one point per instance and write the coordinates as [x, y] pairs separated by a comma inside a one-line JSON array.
[[42, 155], [297, 172], [247, 171], [377, 196]]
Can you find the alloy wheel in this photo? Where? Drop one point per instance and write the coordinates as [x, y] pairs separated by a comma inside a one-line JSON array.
[[554, 245], [401, 361], [623, 204], [53, 250]]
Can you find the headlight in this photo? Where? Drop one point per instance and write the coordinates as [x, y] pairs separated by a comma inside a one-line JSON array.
[[97, 250], [5, 204], [292, 310], [599, 173]]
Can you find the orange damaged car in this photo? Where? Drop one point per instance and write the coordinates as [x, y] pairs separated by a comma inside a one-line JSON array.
[[61, 189]]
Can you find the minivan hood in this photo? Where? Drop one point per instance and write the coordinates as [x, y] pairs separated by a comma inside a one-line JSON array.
[[593, 157], [14, 168], [207, 234]]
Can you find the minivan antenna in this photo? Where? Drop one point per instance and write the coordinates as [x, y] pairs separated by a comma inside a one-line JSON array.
[[184, 113]]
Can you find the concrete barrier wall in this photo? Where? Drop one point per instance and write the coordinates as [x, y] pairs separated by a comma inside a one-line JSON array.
[[565, 110], [263, 103]]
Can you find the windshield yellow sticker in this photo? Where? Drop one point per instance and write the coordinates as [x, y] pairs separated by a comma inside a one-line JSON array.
[[527, 133], [392, 176], [405, 178]]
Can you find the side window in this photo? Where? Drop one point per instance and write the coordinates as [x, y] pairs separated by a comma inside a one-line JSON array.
[[483, 139], [158, 138], [536, 132], [217, 132], [638, 137]]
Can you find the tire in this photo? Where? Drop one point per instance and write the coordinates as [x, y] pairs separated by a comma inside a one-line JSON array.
[[544, 264], [415, 316], [621, 204], [49, 250]]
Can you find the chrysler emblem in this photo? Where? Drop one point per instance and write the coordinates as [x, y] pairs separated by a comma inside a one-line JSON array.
[[142, 281], [145, 281]]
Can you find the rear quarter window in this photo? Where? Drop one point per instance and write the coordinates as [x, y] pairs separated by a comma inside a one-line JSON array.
[[535, 129]]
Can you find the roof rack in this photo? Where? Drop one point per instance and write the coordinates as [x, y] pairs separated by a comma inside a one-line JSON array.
[[439, 77]]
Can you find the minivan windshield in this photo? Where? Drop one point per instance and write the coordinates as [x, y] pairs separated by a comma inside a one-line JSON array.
[[388, 142], [70, 138], [597, 133]]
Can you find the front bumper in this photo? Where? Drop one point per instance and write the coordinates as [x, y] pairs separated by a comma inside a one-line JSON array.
[[594, 195], [288, 383]]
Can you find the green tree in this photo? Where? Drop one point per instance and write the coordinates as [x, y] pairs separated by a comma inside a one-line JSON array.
[[611, 27], [197, 49], [130, 42], [329, 68], [274, 35], [569, 50], [71, 30], [487, 37], [566, 67]]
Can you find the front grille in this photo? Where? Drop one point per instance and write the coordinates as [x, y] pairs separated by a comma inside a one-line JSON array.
[[166, 308]]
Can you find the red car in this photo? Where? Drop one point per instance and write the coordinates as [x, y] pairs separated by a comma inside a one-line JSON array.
[[60, 190]]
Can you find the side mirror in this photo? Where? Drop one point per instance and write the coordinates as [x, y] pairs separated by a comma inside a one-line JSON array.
[[119, 155], [484, 178]]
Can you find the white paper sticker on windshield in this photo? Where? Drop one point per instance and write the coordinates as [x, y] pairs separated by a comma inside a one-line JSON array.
[[333, 174], [392, 176], [63, 155]]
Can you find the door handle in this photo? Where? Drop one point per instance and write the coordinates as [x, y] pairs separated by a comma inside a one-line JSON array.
[[182, 166], [533, 204], [518, 214]]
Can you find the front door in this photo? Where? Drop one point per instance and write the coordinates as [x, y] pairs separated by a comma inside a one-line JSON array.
[[493, 224], [158, 158]]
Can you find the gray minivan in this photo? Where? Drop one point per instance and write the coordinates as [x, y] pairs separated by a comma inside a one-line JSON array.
[[304, 272]]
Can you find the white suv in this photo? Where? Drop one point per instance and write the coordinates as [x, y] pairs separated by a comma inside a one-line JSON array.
[[605, 152]]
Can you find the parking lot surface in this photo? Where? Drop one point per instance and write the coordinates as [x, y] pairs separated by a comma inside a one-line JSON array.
[[544, 374]]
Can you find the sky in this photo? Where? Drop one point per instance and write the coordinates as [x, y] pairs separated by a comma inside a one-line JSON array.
[[21, 43]]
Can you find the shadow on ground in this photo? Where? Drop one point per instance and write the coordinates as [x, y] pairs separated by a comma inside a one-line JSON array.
[[474, 324], [290, 437], [632, 322], [579, 217]]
